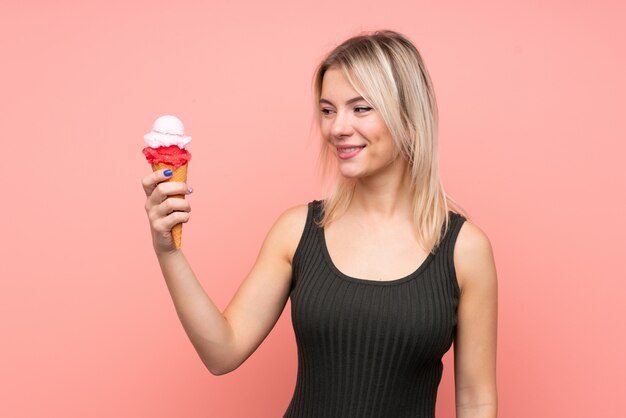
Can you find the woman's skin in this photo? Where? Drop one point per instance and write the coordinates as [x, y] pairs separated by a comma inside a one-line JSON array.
[[376, 228]]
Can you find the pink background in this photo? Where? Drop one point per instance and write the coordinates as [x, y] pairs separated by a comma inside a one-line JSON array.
[[531, 98]]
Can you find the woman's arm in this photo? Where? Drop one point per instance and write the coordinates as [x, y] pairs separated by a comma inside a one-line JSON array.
[[223, 340], [475, 341]]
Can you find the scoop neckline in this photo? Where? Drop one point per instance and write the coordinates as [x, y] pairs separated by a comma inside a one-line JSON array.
[[329, 261]]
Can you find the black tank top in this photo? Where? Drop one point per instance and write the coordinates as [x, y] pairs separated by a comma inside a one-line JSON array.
[[366, 348]]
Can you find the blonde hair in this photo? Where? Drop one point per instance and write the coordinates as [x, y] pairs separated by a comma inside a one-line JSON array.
[[387, 70]]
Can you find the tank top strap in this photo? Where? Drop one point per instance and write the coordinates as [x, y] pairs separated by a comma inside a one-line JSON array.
[[307, 245], [446, 247], [316, 209], [455, 222]]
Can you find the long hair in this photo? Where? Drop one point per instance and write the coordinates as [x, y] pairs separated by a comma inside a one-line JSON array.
[[387, 70]]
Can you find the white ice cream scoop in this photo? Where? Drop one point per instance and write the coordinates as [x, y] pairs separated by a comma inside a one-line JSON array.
[[167, 130]]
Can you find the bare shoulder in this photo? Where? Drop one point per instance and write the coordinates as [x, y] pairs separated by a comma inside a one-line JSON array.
[[473, 258], [289, 227]]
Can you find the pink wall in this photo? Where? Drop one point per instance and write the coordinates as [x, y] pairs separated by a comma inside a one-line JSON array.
[[532, 134]]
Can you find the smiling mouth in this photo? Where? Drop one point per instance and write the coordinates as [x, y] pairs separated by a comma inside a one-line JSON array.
[[351, 149], [347, 153]]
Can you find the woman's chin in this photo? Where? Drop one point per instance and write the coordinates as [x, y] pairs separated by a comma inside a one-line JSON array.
[[351, 174]]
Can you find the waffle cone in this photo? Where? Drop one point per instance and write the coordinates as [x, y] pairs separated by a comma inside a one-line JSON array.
[[179, 174]]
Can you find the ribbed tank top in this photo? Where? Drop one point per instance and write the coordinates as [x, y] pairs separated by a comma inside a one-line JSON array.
[[370, 349]]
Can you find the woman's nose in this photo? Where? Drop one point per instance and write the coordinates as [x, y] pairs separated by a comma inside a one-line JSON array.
[[342, 125]]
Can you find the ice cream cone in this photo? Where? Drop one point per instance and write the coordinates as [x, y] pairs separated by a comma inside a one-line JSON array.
[[178, 174], [166, 144]]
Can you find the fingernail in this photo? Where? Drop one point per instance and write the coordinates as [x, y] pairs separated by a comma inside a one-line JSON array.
[[190, 189], [168, 172]]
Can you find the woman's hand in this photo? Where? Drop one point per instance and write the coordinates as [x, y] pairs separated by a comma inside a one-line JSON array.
[[164, 211]]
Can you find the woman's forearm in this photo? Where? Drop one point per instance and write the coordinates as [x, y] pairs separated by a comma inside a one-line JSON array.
[[206, 327]]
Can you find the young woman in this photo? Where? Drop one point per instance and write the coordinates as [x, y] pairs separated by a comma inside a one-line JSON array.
[[383, 275]]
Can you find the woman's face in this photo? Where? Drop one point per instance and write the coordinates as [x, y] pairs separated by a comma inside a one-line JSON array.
[[346, 119]]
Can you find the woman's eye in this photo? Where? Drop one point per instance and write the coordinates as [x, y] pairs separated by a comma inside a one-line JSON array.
[[362, 109], [325, 111]]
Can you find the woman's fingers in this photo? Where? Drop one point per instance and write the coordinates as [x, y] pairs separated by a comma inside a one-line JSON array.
[[170, 205], [164, 225], [163, 190], [164, 206], [156, 185], [150, 181]]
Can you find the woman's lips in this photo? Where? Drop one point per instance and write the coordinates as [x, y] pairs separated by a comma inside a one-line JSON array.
[[345, 153]]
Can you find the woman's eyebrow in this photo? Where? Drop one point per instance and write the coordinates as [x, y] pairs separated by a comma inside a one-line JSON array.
[[354, 99]]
